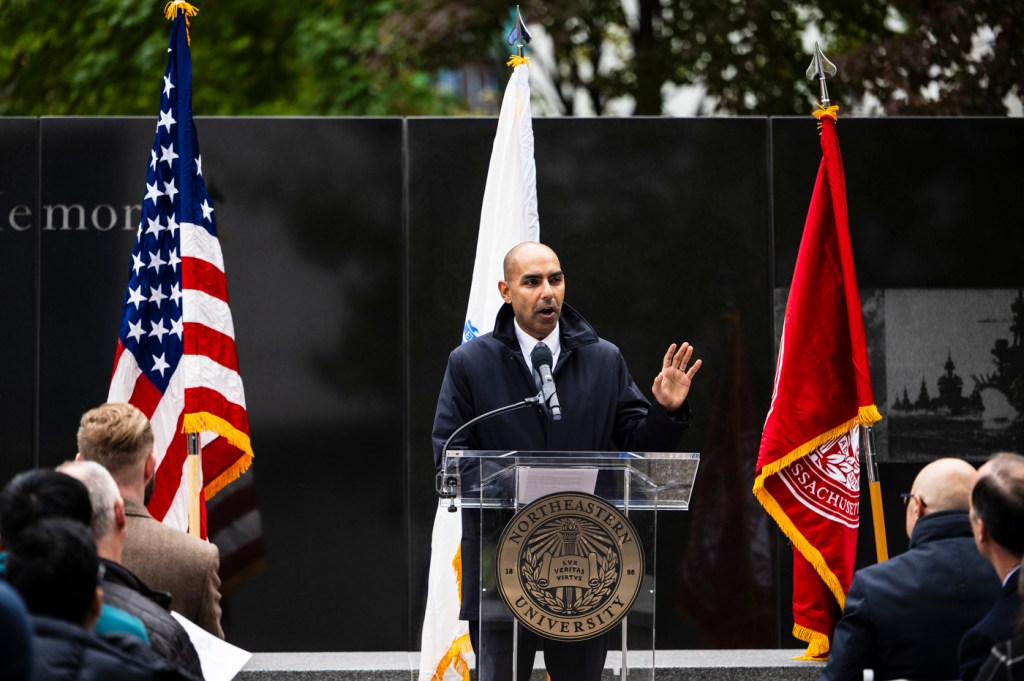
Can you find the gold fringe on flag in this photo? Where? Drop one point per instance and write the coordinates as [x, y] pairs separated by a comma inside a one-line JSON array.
[[818, 644], [515, 60], [865, 417], [200, 421], [461, 645], [457, 567], [453, 657]]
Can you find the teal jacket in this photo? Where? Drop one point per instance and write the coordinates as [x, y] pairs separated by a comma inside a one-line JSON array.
[[112, 620]]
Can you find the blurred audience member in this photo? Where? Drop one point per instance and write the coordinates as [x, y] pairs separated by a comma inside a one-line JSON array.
[[55, 567], [121, 587], [39, 494], [903, 618], [1006, 661], [997, 518], [119, 437], [16, 646]]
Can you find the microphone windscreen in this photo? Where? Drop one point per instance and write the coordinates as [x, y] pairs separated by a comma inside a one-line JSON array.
[[540, 356]]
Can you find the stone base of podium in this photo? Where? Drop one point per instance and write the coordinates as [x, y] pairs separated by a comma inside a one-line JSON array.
[[672, 665]]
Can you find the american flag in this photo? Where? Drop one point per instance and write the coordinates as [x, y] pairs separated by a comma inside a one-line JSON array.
[[176, 359]]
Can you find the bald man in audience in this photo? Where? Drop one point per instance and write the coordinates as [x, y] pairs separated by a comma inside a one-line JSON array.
[[119, 437], [904, 618]]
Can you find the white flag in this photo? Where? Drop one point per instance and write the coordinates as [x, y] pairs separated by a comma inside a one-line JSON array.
[[508, 217], [509, 213]]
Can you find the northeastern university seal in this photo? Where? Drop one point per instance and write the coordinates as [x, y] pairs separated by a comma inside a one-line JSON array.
[[570, 566]]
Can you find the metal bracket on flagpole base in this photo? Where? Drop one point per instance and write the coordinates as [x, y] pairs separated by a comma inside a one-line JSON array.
[[819, 68], [194, 515]]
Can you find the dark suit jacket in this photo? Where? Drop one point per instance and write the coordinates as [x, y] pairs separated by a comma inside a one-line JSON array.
[[67, 652], [997, 626], [601, 405], [170, 560], [903, 618], [167, 638], [1005, 663]]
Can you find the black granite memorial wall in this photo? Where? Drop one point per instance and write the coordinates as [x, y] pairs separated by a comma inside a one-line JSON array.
[[349, 246]]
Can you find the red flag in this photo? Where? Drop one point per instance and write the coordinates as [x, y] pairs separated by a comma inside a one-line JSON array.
[[808, 471], [727, 566], [235, 525]]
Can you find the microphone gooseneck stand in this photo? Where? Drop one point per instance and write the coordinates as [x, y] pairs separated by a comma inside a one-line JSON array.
[[446, 483]]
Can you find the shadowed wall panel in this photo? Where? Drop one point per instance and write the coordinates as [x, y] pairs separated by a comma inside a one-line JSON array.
[[662, 230], [19, 250]]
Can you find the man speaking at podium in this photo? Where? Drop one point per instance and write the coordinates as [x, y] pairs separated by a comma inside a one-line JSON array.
[[603, 410]]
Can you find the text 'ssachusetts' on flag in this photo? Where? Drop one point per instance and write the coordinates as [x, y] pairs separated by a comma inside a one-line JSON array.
[[808, 468], [176, 358]]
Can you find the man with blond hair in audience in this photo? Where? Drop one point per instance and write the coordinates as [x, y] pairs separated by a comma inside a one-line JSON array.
[[119, 437], [903, 618]]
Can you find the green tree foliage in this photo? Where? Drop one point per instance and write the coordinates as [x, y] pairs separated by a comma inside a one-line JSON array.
[[380, 57], [749, 56], [104, 57], [939, 57], [61, 58], [746, 54]]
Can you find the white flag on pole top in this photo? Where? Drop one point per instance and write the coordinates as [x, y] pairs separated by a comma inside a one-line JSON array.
[[508, 217]]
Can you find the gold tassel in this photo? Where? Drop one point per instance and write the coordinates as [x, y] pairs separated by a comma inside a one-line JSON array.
[[515, 60], [817, 644], [457, 566], [832, 112], [171, 10], [172, 7], [453, 657]]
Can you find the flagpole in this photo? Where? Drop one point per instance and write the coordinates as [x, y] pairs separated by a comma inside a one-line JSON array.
[[508, 216], [520, 36], [875, 487], [194, 485], [820, 68], [192, 446]]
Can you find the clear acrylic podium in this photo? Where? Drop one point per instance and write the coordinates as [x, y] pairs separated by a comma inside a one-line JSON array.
[[492, 486]]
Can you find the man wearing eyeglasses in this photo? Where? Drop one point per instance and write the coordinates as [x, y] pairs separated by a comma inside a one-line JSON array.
[[904, 618]]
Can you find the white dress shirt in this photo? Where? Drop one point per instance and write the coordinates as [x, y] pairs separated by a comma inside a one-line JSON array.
[[527, 343]]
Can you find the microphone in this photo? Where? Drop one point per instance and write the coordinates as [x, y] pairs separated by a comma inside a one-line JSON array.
[[542, 361]]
